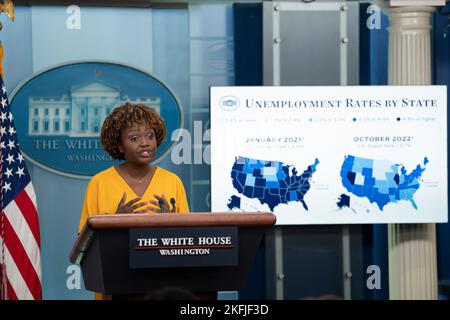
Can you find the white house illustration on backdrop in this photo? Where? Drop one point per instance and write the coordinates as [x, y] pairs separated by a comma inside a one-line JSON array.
[[79, 113]]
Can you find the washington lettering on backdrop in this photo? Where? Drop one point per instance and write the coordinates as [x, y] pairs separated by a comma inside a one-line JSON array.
[[61, 112]]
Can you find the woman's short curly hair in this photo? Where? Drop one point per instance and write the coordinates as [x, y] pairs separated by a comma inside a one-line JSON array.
[[122, 118]]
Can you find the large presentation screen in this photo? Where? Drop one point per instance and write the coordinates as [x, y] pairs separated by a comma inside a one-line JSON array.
[[331, 155]]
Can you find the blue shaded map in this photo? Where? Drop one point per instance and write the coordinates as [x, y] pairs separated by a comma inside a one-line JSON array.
[[271, 182], [380, 181]]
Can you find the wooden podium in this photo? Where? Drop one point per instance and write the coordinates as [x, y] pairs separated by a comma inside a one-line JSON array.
[[103, 252]]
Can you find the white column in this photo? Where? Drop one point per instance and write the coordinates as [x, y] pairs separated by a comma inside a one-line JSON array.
[[409, 45], [412, 247]]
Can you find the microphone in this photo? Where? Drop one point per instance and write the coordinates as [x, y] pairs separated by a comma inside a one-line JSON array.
[[161, 204], [172, 202]]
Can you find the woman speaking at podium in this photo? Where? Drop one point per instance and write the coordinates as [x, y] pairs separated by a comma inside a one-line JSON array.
[[132, 132]]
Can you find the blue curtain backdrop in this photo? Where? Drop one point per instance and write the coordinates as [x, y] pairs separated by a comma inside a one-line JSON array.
[[373, 71], [248, 72], [441, 54]]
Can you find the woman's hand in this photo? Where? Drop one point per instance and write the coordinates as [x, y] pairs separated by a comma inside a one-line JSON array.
[[131, 205], [162, 204]]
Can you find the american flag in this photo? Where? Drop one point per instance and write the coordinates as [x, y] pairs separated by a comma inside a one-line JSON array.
[[20, 253]]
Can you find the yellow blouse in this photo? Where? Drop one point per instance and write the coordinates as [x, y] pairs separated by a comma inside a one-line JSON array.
[[105, 190]]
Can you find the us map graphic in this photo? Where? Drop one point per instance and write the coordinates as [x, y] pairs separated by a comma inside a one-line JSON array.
[[271, 182], [380, 181]]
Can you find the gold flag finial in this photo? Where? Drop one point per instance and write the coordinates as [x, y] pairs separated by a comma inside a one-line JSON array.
[[1, 60], [7, 7]]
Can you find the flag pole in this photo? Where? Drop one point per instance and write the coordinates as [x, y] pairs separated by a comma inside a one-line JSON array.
[[4, 290], [7, 7]]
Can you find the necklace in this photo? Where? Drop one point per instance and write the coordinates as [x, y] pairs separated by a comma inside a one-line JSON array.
[[136, 179]]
